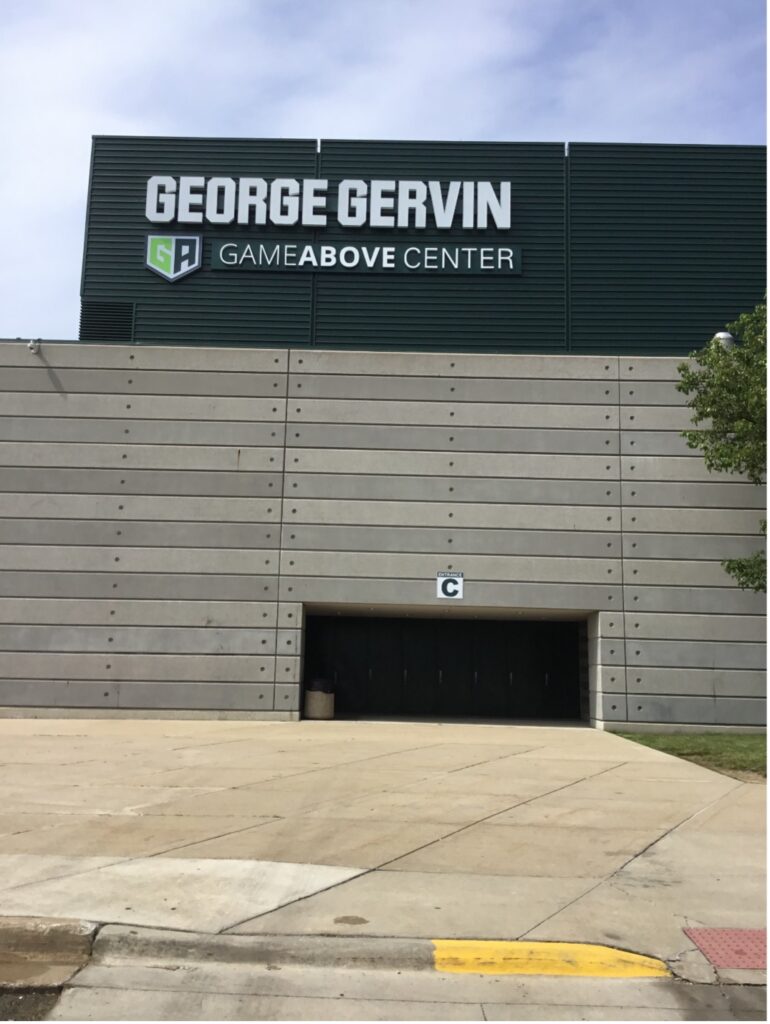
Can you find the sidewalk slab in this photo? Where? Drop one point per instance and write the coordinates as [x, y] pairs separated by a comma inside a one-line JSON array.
[[684, 854], [440, 808], [25, 868], [424, 905], [563, 810], [740, 810], [164, 892], [94, 799], [124, 835], [119, 1004], [699, 791], [324, 840], [490, 849], [293, 795]]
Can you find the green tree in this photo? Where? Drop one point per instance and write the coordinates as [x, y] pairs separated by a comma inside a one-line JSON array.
[[727, 393]]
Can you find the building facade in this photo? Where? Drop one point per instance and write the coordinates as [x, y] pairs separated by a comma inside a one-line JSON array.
[[398, 416]]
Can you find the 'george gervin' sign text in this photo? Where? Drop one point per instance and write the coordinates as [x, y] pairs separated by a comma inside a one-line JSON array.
[[312, 202]]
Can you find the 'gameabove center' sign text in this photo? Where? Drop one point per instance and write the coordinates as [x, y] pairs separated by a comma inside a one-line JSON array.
[[400, 258]]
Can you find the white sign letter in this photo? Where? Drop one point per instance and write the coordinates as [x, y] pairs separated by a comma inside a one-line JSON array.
[[252, 193], [487, 201], [313, 197], [160, 205], [284, 201], [381, 205], [190, 201], [351, 210], [444, 213], [231, 256], [469, 194], [411, 196], [226, 188]]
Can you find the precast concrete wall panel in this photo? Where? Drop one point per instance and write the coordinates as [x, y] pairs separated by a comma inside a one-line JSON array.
[[134, 585], [142, 507], [455, 388], [145, 382], [52, 612], [455, 364], [137, 481], [136, 667], [437, 513], [64, 355], [119, 533], [695, 682], [487, 595], [695, 545], [462, 541], [452, 438], [428, 487], [643, 467], [138, 456], [694, 650], [169, 515], [244, 434], [694, 600], [153, 639], [468, 464], [140, 502]]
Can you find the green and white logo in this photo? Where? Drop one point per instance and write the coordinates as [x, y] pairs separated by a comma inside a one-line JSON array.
[[174, 256]]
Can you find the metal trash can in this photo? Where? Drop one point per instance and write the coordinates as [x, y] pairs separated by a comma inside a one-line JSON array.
[[319, 700]]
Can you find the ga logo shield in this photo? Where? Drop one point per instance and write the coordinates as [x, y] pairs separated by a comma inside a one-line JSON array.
[[174, 256]]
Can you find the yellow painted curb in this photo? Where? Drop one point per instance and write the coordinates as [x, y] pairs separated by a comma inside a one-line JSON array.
[[578, 959]]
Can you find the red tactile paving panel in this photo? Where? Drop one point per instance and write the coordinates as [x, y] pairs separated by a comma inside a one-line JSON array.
[[741, 948]]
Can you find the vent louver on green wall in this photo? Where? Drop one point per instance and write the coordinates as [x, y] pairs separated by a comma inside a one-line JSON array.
[[106, 321]]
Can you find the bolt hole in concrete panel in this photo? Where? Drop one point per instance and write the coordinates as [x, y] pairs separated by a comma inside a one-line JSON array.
[[448, 667]]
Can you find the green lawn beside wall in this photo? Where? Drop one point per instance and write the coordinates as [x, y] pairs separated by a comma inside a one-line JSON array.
[[722, 751]]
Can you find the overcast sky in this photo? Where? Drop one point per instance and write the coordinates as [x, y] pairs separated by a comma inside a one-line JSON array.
[[530, 70]]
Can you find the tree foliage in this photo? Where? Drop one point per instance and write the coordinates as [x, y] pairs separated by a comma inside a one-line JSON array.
[[727, 393]]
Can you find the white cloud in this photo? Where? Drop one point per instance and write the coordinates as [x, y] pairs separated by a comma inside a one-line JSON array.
[[493, 69]]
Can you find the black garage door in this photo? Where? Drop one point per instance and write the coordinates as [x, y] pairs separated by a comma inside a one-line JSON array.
[[447, 667]]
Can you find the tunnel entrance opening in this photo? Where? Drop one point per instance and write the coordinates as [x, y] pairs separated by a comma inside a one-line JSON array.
[[449, 667]]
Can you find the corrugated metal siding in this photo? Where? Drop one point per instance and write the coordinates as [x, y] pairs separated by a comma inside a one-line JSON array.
[[642, 249], [206, 307], [523, 313], [158, 538], [667, 244]]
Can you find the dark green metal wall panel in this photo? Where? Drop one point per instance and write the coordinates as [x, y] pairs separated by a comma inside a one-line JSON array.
[[667, 244], [206, 307], [524, 314], [640, 249]]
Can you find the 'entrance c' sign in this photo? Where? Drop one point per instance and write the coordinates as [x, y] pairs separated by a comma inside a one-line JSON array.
[[449, 585]]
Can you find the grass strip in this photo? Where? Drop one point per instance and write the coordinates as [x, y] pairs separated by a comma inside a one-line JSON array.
[[721, 751]]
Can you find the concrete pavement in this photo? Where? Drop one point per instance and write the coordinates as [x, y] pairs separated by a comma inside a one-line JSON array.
[[394, 829]]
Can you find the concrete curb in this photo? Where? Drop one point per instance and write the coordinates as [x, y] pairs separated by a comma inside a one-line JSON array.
[[43, 952], [119, 943], [123, 944]]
